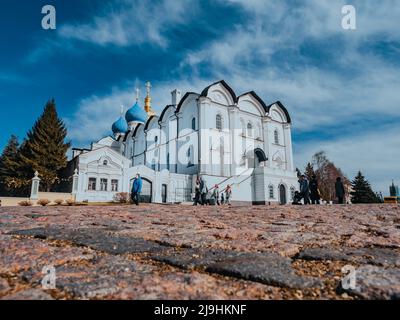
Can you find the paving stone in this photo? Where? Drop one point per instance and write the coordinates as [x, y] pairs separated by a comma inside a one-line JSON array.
[[96, 239], [18, 255], [4, 286], [374, 282], [268, 268], [377, 256], [194, 257], [359, 234], [31, 294]]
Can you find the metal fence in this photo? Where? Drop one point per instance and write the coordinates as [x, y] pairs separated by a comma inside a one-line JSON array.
[[182, 195]]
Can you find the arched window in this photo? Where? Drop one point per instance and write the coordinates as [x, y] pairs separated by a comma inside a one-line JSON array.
[[249, 129], [218, 120], [271, 191], [276, 136], [190, 157], [194, 124]]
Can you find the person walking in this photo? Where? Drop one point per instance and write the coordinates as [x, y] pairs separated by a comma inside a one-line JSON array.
[[215, 195], [339, 189], [136, 189], [203, 191], [314, 192], [197, 193], [304, 189], [228, 194]]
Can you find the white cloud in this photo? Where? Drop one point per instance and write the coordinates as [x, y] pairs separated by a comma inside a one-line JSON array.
[[128, 23], [316, 96]]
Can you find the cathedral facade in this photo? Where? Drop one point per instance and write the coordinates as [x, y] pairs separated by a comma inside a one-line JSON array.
[[227, 139]]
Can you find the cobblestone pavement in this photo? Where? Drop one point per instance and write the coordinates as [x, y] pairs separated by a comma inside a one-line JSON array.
[[184, 252]]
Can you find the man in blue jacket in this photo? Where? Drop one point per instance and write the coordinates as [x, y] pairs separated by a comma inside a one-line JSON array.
[[136, 189]]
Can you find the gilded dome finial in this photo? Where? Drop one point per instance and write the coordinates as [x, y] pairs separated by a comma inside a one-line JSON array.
[[147, 100]]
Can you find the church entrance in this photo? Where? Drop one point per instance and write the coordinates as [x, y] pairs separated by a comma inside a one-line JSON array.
[[147, 189], [282, 194], [256, 158]]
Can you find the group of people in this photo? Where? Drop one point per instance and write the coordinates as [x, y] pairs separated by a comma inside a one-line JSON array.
[[310, 193], [201, 193], [217, 197]]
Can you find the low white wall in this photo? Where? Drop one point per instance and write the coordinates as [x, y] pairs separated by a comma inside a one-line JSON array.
[[51, 196], [11, 201]]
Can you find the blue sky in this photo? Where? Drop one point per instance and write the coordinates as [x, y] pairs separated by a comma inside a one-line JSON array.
[[341, 87]]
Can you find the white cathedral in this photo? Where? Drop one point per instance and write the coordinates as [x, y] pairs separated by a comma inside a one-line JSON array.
[[227, 139]]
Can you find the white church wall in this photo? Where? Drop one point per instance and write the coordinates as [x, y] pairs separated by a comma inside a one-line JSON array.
[[103, 163], [224, 154]]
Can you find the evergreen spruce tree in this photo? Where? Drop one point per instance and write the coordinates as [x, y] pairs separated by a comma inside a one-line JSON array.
[[9, 166], [362, 191], [44, 149]]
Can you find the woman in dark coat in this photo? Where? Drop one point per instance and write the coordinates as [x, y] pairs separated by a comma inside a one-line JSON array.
[[314, 193], [339, 188]]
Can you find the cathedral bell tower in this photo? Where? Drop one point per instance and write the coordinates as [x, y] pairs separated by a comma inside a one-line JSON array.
[[147, 101]]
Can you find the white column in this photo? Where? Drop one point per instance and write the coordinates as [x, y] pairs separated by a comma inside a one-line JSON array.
[[35, 187], [288, 147], [235, 147], [267, 142], [75, 180], [204, 147]]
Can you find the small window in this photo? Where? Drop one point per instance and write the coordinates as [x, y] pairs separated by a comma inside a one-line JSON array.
[[271, 192], [249, 129], [103, 184], [168, 161], [92, 184], [153, 166], [190, 156], [218, 120], [194, 124], [114, 185], [276, 136], [156, 139], [105, 163]]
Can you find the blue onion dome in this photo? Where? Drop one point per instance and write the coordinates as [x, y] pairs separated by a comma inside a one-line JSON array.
[[136, 114], [120, 126]]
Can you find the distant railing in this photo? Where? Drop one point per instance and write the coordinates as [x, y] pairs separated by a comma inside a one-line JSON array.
[[183, 195]]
